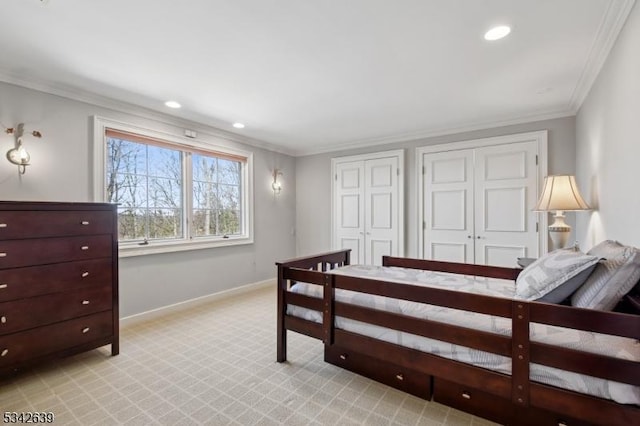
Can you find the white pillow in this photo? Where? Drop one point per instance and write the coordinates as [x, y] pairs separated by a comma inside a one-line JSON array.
[[550, 272], [613, 277]]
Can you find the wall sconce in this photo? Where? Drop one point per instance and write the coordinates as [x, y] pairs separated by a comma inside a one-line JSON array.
[[277, 184], [19, 155]]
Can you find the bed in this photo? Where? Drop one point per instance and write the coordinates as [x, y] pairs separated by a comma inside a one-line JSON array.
[[456, 334]]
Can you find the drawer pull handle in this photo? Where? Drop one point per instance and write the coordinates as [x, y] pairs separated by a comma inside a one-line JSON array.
[[343, 356], [85, 330], [84, 248], [400, 376], [85, 274], [3, 286], [3, 254], [3, 225], [85, 302], [3, 319], [84, 222], [4, 352], [466, 395]]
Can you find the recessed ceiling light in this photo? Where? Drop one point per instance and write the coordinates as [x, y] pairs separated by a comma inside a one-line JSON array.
[[173, 104], [238, 125], [496, 33]]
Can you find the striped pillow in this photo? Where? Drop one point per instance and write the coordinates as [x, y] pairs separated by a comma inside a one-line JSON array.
[[614, 277], [551, 271]]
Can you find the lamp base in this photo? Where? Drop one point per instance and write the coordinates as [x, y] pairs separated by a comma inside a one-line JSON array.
[[559, 231]]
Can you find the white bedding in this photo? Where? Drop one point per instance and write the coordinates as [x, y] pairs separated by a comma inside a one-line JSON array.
[[618, 347]]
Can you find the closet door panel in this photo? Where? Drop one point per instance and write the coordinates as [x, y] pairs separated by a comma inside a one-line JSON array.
[[349, 208], [448, 206], [505, 193], [450, 252], [381, 220], [356, 246]]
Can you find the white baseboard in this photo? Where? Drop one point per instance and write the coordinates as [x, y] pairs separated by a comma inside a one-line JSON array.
[[191, 303]]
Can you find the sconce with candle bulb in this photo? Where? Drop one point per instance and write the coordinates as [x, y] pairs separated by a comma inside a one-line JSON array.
[[18, 155], [276, 185]]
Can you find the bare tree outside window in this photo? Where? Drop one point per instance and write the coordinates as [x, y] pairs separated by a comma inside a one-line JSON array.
[[216, 196], [146, 181]]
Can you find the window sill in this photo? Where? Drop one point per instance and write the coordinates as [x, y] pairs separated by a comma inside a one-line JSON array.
[[131, 250]]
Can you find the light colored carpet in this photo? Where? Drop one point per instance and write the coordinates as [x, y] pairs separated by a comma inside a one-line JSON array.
[[214, 364]]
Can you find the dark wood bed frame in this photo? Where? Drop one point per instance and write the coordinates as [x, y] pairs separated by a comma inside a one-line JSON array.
[[509, 399]]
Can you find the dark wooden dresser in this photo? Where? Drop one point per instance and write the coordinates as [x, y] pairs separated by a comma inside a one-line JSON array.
[[58, 280]]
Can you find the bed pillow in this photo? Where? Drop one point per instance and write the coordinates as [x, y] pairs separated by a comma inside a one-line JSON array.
[[551, 271], [565, 290], [614, 277], [608, 249]]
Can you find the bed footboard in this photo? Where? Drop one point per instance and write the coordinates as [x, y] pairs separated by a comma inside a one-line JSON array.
[[308, 269]]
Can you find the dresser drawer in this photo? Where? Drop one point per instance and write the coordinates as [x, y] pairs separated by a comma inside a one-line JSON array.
[[24, 346], [20, 283], [17, 253], [19, 224], [24, 314]]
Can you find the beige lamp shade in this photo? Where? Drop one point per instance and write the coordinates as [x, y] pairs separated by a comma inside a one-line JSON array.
[[560, 193]]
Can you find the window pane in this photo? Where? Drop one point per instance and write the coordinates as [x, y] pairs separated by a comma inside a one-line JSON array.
[[124, 156], [229, 172], [205, 195], [165, 193], [229, 197], [165, 223], [128, 190], [132, 224], [216, 196], [204, 222], [163, 162], [229, 222], [204, 168], [146, 182]]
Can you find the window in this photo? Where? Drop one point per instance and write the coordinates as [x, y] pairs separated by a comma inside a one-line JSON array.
[[173, 194]]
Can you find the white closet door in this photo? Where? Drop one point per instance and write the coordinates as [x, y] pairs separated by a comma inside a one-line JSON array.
[[349, 209], [505, 192], [367, 205], [448, 206], [381, 209]]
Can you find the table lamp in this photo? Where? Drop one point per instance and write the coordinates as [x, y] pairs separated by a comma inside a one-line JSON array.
[[560, 193]]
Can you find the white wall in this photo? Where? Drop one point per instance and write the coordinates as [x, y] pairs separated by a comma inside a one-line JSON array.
[[313, 180], [608, 144], [61, 170]]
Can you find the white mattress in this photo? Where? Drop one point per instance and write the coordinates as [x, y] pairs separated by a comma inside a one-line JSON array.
[[614, 346]]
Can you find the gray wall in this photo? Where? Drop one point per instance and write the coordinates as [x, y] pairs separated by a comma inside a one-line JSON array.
[[61, 170], [313, 180], [608, 144]]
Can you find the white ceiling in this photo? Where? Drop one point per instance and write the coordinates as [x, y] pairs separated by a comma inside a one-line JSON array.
[[313, 76]]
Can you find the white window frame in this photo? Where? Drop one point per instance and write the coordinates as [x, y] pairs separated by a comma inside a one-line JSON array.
[[128, 249]]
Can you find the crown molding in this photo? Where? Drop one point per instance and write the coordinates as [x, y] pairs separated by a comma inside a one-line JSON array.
[[202, 127], [199, 124], [408, 137], [612, 23]]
